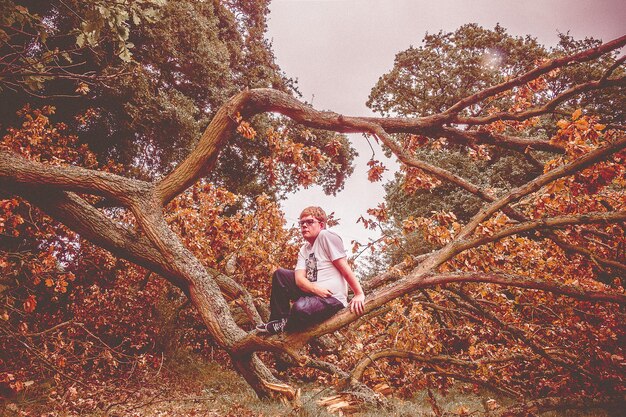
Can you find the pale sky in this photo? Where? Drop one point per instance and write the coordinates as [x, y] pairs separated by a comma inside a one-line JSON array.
[[337, 49]]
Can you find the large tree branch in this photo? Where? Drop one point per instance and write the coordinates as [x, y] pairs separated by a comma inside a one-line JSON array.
[[534, 185], [252, 102], [204, 156], [100, 230], [290, 342], [487, 196], [547, 223], [71, 178], [91, 224], [545, 68], [545, 108]]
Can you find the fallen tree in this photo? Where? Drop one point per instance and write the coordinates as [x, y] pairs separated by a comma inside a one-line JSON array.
[[151, 243]]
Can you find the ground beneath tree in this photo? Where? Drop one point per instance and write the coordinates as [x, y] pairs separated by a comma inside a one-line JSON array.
[[189, 386]]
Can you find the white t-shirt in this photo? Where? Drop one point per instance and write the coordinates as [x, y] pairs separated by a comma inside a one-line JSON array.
[[317, 260]]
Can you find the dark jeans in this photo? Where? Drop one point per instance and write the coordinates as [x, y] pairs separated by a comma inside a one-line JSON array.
[[306, 310]]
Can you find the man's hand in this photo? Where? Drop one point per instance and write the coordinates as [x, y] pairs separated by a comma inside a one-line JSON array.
[[356, 304], [310, 287], [321, 292]]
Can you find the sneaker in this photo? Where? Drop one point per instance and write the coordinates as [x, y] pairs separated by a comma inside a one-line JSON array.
[[272, 327]]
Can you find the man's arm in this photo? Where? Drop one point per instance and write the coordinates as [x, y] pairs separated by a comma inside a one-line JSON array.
[[356, 304], [309, 287]]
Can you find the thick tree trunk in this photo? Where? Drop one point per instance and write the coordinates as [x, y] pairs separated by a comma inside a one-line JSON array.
[[260, 378]]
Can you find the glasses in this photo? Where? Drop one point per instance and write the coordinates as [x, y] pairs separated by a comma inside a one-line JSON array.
[[307, 222]]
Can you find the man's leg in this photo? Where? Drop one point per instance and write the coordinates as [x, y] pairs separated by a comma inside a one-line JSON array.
[[284, 290], [311, 309]]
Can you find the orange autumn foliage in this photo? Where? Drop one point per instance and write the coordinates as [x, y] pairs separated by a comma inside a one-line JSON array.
[[77, 304]]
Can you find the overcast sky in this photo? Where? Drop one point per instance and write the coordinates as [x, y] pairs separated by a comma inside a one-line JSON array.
[[337, 49]]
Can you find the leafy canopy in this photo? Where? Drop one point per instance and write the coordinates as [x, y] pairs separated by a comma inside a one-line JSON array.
[[140, 80]]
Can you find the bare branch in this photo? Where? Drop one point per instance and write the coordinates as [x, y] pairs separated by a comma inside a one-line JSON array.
[[547, 107], [357, 372], [524, 282], [553, 222], [613, 67], [607, 263], [538, 348], [515, 143], [534, 185], [50, 330]]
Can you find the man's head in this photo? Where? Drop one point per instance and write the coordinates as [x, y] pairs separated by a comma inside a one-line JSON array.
[[312, 221]]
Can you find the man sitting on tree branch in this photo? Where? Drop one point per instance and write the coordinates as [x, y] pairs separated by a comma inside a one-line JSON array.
[[319, 284]]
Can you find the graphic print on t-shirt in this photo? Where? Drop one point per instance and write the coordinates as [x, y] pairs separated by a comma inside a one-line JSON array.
[[311, 268]]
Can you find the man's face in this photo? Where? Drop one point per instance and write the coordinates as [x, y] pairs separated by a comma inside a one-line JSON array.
[[310, 228]]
